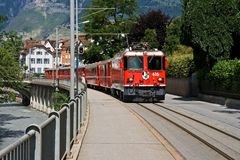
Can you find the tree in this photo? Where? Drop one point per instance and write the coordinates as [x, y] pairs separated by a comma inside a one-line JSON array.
[[151, 20], [58, 98], [10, 71], [150, 38], [173, 35], [208, 27], [106, 27], [2, 19]]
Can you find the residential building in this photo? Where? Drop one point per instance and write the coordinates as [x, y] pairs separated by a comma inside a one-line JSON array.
[[36, 57], [65, 49]]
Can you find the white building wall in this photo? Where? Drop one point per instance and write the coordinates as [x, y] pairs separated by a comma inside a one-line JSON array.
[[48, 45], [39, 62]]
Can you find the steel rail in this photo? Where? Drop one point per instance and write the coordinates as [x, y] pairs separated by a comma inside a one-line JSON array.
[[203, 123], [189, 132]]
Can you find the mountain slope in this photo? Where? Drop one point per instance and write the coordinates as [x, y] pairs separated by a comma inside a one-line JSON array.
[[11, 8], [39, 18], [172, 8]]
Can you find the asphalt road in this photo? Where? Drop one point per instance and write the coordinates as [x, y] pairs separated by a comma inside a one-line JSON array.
[[14, 119]]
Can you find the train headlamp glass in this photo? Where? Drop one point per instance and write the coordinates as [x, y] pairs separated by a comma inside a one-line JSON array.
[[130, 79], [160, 79]]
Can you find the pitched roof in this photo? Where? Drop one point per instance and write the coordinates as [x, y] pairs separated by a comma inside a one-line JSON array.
[[32, 44]]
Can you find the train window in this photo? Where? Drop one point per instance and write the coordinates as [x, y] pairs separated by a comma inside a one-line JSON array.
[[154, 63], [133, 63]]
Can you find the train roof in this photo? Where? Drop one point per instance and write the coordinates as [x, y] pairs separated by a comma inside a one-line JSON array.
[[141, 53], [63, 68], [128, 52]]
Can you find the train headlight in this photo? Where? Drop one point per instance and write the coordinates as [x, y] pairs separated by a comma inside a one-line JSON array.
[[160, 79], [130, 79]]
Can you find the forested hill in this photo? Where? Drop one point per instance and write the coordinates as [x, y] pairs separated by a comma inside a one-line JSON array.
[[40, 17], [172, 8]]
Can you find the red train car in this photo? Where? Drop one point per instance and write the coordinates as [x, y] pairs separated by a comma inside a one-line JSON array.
[[63, 73], [131, 75], [105, 77], [138, 75], [92, 75]]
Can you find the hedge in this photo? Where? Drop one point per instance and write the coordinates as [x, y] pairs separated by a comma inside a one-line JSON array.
[[226, 72], [180, 66]]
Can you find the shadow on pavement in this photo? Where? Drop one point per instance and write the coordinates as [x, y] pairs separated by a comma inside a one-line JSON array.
[[10, 104], [227, 111], [9, 133], [186, 99], [6, 133]]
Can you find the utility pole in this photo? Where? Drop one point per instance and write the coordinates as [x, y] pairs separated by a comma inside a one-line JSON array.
[[77, 43], [30, 52], [56, 48], [72, 49]]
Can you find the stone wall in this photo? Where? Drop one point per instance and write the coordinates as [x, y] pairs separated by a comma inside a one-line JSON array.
[[185, 87]]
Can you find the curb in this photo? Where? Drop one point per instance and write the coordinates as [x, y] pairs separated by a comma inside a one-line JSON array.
[[228, 102], [75, 150]]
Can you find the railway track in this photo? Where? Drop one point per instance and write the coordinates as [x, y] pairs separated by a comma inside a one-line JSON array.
[[201, 138]]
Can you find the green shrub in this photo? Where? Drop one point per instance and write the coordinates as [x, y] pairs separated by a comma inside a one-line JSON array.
[[180, 65], [58, 99], [225, 72], [37, 74], [7, 97]]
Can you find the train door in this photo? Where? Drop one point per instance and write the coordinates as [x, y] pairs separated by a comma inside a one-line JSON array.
[[98, 75], [105, 75], [109, 74]]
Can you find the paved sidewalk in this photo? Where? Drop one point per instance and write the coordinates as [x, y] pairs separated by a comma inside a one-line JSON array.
[[114, 133]]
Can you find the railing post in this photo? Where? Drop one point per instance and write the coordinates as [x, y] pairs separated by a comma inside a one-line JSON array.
[[68, 139], [81, 108], [84, 105], [78, 97], [38, 141], [57, 134], [74, 117], [63, 130]]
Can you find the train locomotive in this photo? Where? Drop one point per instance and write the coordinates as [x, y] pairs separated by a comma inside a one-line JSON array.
[[132, 75]]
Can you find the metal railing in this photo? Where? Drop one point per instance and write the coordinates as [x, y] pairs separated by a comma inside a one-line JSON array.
[[52, 140]]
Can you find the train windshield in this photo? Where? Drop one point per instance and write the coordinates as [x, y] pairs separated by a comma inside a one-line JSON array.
[[133, 63], [155, 63]]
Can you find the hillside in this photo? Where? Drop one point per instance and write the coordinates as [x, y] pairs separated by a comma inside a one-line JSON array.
[[172, 8], [39, 18]]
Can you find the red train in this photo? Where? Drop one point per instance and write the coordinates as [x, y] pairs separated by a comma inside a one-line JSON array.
[[132, 75]]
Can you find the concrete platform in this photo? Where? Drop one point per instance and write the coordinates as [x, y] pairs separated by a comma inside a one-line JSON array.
[[114, 133]]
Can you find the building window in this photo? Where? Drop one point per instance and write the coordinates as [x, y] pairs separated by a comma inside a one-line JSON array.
[[23, 60], [33, 70], [46, 61], [39, 53], [45, 69], [39, 61], [46, 53], [33, 60], [39, 70]]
